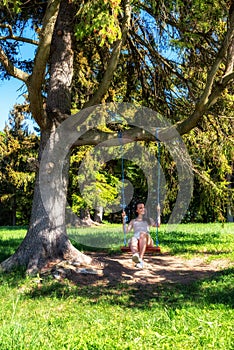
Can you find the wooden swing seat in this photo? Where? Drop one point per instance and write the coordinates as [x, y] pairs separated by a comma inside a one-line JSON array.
[[149, 249]]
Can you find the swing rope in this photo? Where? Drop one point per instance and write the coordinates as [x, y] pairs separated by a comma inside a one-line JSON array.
[[123, 205], [158, 219]]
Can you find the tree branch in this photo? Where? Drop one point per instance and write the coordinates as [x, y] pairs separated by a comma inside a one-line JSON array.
[[114, 59], [230, 52], [11, 36], [212, 92], [230, 59], [188, 124], [219, 59], [11, 69], [219, 89], [95, 137], [41, 59], [161, 59]]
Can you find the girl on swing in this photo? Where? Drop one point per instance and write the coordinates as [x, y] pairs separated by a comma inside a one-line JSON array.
[[141, 238]]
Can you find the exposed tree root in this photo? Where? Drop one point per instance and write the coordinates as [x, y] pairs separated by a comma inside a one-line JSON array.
[[36, 262]]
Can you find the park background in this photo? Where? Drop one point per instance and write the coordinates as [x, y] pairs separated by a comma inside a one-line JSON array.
[[175, 58]]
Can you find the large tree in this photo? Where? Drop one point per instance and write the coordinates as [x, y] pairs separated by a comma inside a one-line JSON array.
[[174, 57]]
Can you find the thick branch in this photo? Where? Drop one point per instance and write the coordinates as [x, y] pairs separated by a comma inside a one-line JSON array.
[[43, 51], [219, 59], [188, 124], [212, 92], [219, 89], [40, 63], [113, 62], [230, 59], [11, 69], [230, 52], [94, 137], [132, 134], [11, 36]]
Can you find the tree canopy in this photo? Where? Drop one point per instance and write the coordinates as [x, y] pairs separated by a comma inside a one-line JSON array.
[[176, 57]]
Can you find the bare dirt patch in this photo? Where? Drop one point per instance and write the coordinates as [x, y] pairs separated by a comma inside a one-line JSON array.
[[158, 269]]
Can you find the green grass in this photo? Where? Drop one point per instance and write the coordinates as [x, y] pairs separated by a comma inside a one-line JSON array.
[[58, 315], [188, 240]]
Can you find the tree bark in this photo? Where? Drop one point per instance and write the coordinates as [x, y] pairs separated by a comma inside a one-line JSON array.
[[46, 238]]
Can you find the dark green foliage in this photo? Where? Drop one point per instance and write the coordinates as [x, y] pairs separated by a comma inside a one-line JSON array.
[[18, 165]]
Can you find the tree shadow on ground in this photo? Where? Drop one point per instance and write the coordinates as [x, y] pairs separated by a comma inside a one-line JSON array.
[[8, 247], [122, 284], [219, 290], [146, 296]]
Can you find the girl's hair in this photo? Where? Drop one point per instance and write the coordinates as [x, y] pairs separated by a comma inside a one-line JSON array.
[[145, 217]]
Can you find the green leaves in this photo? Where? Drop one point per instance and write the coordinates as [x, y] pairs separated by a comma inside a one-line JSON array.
[[16, 176], [100, 19], [12, 5]]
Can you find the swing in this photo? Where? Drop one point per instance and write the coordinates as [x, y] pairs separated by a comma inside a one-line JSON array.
[[149, 249]]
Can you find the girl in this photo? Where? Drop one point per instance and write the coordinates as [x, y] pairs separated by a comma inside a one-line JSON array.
[[141, 238]]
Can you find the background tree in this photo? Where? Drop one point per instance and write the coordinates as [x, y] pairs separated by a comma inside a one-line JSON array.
[[19, 151], [185, 87], [94, 187]]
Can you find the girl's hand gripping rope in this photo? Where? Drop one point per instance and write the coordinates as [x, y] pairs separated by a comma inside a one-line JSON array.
[[158, 221]]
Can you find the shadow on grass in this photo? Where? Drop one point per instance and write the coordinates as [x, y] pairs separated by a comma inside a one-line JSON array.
[[8, 247], [9, 244], [100, 240], [203, 290], [175, 242], [87, 248], [218, 289]]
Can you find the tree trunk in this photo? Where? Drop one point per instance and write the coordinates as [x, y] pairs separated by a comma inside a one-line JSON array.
[[98, 215], [46, 239]]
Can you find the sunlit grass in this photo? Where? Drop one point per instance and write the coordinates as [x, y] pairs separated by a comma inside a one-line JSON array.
[[186, 240], [51, 314]]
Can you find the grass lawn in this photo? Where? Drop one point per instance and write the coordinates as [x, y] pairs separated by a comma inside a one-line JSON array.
[[59, 315]]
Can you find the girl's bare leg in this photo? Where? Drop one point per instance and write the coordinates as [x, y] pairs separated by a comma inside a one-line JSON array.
[[150, 241], [134, 245], [143, 243]]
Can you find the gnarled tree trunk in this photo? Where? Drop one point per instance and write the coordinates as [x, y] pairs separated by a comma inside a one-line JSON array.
[[46, 238]]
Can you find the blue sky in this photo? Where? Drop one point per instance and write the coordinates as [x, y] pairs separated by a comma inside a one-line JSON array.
[[8, 97], [11, 90]]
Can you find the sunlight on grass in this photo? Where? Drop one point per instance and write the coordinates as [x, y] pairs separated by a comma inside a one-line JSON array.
[[49, 314], [67, 316], [211, 240]]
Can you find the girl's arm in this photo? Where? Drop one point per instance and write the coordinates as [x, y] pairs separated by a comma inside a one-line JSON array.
[[158, 219], [130, 225], [157, 223]]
